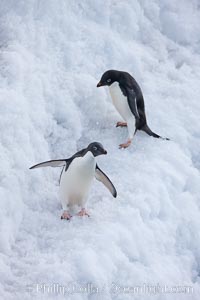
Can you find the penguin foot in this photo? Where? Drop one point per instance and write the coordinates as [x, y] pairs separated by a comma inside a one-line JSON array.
[[82, 213], [125, 145], [66, 216], [121, 124]]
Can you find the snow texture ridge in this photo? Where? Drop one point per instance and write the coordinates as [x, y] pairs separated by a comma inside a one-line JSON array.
[[52, 54]]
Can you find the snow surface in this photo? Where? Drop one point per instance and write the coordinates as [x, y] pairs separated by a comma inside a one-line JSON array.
[[52, 54]]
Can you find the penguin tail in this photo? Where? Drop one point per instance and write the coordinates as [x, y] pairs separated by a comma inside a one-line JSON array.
[[146, 129]]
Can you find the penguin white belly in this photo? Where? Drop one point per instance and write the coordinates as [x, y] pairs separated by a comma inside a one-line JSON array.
[[120, 102], [76, 181]]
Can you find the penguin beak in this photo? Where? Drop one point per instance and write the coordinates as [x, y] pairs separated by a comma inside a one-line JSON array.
[[99, 84], [104, 152]]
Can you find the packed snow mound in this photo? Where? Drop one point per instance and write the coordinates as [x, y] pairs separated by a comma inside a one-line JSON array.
[[52, 54]]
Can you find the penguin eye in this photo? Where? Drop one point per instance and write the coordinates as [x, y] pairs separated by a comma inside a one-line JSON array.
[[94, 148], [109, 80]]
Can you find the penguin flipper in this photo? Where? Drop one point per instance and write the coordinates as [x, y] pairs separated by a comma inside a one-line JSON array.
[[59, 162], [101, 176], [51, 163], [132, 100]]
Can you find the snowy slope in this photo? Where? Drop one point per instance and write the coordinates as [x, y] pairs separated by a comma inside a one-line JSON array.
[[52, 54]]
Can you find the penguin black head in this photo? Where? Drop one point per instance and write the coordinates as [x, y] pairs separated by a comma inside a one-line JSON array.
[[96, 149], [109, 77]]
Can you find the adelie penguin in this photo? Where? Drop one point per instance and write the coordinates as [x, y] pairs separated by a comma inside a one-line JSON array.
[[76, 177], [128, 100]]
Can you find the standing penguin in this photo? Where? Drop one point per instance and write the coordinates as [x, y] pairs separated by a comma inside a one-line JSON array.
[[128, 100], [76, 177]]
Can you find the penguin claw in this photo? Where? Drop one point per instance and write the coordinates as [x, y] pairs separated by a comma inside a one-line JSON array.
[[82, 213], [125, 145], [66, 216], [121, 124]]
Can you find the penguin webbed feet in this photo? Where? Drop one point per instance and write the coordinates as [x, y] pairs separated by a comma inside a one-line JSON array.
[[125, 145], [121, 124], [83, 213], [66, 216]]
